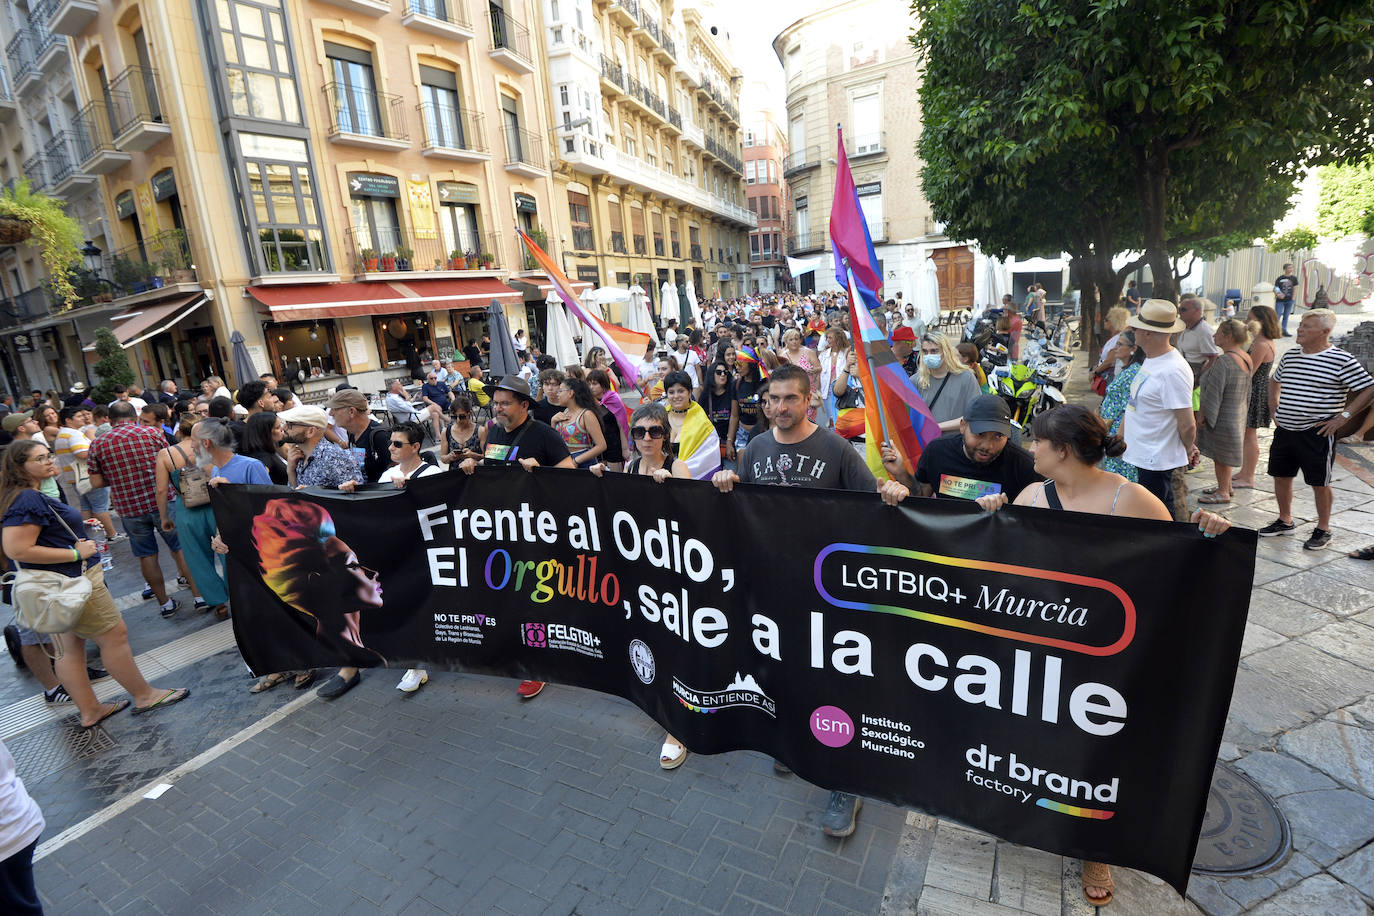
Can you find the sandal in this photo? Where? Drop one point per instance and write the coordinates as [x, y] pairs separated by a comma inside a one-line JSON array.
[[222, 612], [1209, 490], [1364, 553], [267, 683], [1097, 874], [167, 699], [1242, 486], [673, 755], [1215, 499], [110, 709], [305, 678]]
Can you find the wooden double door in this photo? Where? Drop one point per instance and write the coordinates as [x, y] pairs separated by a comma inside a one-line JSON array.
[[954, 266]]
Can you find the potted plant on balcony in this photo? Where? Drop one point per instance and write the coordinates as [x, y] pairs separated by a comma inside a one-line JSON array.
[[369, 256], [175, 264], [488, 260], [403, 257], [388, 260], [457, 260], [126, 274], [151, 275], [56, 234], [471, 258]]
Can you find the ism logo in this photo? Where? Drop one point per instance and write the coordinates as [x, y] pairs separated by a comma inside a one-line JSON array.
[[832, 726]]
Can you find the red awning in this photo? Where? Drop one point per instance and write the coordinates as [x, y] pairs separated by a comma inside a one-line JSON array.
[[306, 301]]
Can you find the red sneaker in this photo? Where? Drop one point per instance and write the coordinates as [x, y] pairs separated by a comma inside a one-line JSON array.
[[528, 690]]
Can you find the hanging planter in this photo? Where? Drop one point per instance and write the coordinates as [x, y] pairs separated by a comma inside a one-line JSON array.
[[13, 231], [45, 224]]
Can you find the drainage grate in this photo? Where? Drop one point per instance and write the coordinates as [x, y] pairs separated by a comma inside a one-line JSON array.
[[56, 747], [1243, 831]]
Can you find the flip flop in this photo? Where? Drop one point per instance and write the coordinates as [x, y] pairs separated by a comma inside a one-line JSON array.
[[1242, 486], [1209, 490], [118, 706], [1364, 553], [168, 698], [1215, 499]]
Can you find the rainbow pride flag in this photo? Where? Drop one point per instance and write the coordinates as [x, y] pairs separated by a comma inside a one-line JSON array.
[[616, 338], [892, 404]]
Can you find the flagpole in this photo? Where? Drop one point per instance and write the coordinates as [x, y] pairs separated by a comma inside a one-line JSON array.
[[872, 371]]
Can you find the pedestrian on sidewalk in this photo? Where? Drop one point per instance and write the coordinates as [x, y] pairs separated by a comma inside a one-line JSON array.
[[1285, 294], [1224, 394], [1159, 427], [798, 453], [1068, 444], [71, 448], [21, 824], [1308, 394], [40, 533], [1263, 325], [125, 459]]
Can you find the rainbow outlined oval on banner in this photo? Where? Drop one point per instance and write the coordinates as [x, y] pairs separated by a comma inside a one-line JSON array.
[[1127, 605]]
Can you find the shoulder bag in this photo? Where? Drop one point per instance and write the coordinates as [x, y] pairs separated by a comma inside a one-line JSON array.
[[195, 483], [46, 601]]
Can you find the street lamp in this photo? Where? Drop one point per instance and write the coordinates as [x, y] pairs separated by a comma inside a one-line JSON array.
[[92, 256]]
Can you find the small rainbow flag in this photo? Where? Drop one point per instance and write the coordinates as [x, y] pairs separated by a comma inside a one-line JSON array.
[[612, 335]]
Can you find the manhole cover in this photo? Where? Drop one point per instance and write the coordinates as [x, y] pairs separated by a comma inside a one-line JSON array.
[[1243, 831], [56, 747]]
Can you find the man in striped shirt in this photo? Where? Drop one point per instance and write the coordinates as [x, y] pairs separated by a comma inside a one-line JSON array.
[[1307, 394]]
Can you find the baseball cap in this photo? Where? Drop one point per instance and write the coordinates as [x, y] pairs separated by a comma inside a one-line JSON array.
[[904, 333], [13, 421], [988, 413], [348, 398], [305, 415]]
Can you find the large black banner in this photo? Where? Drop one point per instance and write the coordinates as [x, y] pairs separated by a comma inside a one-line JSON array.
[[1060, 680]]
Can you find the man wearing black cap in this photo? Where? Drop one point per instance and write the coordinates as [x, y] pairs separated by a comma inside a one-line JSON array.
[[980, 461], [518, 438]]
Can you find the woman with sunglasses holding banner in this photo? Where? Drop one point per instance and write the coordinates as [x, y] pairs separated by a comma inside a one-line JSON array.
[[652, 439]]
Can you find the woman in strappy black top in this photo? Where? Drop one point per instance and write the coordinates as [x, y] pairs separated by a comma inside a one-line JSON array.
[[1068, 443]]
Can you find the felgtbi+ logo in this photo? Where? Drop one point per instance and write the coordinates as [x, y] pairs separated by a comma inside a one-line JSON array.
[[832, 726]]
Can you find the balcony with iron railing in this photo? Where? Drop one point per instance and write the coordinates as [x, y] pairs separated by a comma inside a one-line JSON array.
[[69, 17], [524, 152], [860, 145], [612, 73], [452, 133], [675, 117], [625, 13], [694, 252], [93, 140], [445, 18], [365, 117], [160, 260], [810, 241], [666, 42], [641, 246], [583, 238], [36, 171], [21, 54], [138, 118], [392, 249], [801, 160], [719, 150], [30, 305], [510, 41], [50, 48], [64, 172]]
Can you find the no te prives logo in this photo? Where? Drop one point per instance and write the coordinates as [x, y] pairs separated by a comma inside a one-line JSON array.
[[832, 726]]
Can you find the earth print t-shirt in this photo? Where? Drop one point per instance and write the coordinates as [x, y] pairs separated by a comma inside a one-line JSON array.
[[822, 460]]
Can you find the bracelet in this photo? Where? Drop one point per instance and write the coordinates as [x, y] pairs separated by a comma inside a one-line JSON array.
[[76, 555]]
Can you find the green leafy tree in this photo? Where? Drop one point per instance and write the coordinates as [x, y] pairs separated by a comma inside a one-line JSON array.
[[1299, 238], [1345, 202], [1186, 122], [112, 367], [57, 235]]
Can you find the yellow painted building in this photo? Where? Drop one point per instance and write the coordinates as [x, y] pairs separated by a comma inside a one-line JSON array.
[[649, 185], [338, 180]]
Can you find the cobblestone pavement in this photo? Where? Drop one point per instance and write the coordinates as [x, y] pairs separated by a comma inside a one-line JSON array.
[[463, 799]]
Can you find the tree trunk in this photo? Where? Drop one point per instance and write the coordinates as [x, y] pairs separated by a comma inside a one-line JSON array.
[[1151, 186]]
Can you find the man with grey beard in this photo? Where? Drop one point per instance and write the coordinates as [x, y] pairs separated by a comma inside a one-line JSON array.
[[213, 441]]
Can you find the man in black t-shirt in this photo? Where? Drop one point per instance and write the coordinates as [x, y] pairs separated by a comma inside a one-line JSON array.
[[369, 442], [979, 461], [1285, 289], [518, 438], [544, 409]]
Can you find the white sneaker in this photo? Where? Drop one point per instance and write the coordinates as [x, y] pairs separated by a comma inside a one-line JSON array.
[[413, 680]]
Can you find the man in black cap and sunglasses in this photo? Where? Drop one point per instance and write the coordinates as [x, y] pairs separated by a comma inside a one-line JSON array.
[[519, 439]]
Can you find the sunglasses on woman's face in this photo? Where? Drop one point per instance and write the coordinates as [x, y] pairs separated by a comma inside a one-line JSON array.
[[722, 372], [649, 432]]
